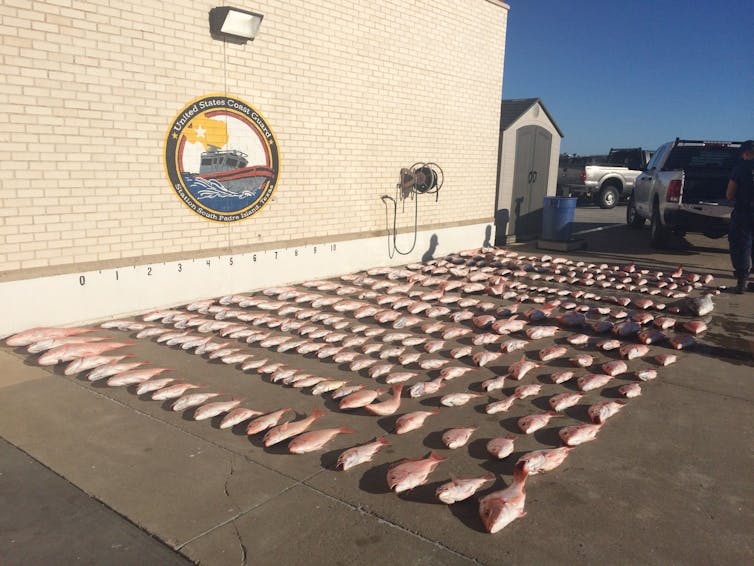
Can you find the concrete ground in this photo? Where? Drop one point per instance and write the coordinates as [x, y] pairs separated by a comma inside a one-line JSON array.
[[667, 481]]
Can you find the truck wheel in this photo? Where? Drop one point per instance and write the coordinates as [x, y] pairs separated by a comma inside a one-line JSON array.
[[608, 197], [657, 232], [632, 218]]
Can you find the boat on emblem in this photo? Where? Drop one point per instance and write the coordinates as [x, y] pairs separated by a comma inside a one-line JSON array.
[[230, 168]]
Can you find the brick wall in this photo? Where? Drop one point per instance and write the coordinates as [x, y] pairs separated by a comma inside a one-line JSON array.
[[353, 89]]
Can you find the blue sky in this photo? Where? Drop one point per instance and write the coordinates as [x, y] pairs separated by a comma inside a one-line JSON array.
[[635, 73]]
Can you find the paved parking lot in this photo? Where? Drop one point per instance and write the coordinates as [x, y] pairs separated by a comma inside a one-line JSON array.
[[666, 480]]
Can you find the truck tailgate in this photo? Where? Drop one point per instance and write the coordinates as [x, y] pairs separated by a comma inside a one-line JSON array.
[[704, 187], [709, 210]]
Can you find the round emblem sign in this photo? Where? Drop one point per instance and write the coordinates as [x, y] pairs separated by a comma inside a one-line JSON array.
[[222, 158]]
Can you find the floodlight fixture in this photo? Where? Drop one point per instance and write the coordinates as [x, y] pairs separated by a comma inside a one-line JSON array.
[[233, 24]]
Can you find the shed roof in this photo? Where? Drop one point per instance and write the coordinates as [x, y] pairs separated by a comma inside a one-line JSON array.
[[513, 108]]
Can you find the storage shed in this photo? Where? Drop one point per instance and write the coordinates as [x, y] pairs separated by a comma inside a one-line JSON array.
[[527, 167]]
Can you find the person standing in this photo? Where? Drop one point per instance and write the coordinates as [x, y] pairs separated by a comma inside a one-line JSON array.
[[741, 190]]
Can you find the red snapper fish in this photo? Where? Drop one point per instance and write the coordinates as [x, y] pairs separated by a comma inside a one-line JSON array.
[[316, 439], [210, 410], [600, 412], [532, 423], [389, 406], [237, 416], [172, 391], [411, 473], [499, 406], [666, 359], [561, 376], [484, 357], [90, 362], [537, 332], [501, 447], [72, 351], [695, 326], [433, 363], [134, 376], [380, 369], [582, 360], [449, 373], [38, 334], [455, 332], [614, 367], [553, 352], [500, 508], [191, 400], [575, 435], [426, 388], [459, 489], [633, 351], [578, 339], [563, 401], [153, 385], [646, 374], [523, 391], [630, 390], [519, 369], [266, 421], [360, 398], [289, 429], [457, 437], [512, 345], [412, 421], [457, 399], [494, 383], [359, 454], [512, 324], [346, 390], [461, 352], [540, 461], [592, 381], [50, 343]]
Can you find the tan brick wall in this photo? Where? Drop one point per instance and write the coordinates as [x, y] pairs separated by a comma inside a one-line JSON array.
[[353, 89]]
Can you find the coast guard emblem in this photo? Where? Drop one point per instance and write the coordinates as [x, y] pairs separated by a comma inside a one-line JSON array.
[[221, 158]]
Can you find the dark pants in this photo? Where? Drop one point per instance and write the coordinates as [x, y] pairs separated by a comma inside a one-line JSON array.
[[739, 237]]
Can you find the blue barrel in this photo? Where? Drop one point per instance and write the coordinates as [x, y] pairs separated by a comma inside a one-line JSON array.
[[557, 218]]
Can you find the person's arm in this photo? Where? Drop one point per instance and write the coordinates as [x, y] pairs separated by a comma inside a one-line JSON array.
[[730, 191]]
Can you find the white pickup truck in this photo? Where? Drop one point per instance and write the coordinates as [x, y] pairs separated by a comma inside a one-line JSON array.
[[683, 190], [606, 180]]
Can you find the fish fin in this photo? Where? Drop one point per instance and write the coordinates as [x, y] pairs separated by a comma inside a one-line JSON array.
[[346, 430], [489, 476], [381, 440]]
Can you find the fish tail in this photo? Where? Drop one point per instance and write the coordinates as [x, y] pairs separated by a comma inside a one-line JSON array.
[[381, 440], [346, 430], [436, 457]]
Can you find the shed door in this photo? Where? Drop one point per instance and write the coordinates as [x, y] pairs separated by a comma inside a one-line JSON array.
[[530, 180]]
